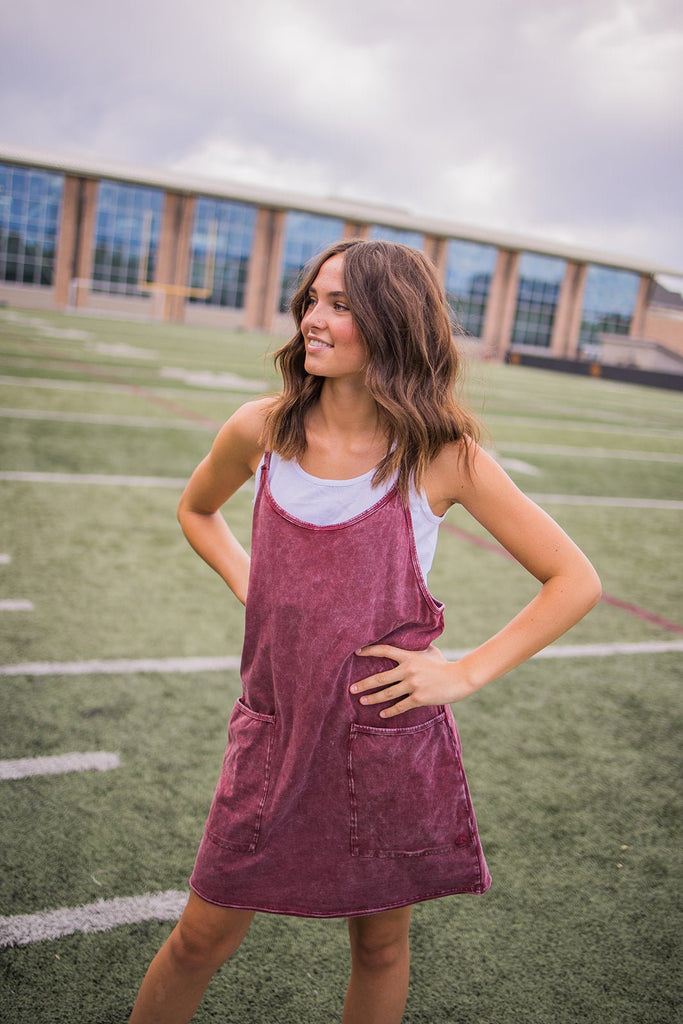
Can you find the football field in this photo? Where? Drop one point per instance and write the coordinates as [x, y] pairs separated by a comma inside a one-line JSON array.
[[119, 652]]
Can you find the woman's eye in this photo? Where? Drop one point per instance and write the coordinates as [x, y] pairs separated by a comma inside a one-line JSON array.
[[340, 307]]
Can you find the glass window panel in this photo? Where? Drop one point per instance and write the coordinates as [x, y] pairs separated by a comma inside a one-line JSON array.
[[538, 292], [128, 227], [306, 235], [608, 304], [469, 270], [221, 246], [30, 203]]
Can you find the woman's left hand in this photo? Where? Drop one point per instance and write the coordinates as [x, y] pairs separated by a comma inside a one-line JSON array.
[[420, 677]]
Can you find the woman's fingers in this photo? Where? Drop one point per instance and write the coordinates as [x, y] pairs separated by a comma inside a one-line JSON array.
[[419, 677]]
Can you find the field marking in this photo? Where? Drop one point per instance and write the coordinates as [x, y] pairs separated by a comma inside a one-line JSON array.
[[101, 420], [592, 453], [22, 929], [517, 465], [211, 379], [606, 501], [5, 559], [16, 605], [58, 764], [101, 479], [122, 666], [31, 477], [76, 385], [597, 650], [495, 548], [593, 428], [521, 447]]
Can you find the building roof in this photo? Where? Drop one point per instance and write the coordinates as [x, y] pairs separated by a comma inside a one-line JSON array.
[[347, 209]]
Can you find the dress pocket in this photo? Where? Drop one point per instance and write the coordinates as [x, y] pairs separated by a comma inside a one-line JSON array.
[[235, 817], [408, 791]]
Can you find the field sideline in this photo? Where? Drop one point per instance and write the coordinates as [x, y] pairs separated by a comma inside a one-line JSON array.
[[119, 653]]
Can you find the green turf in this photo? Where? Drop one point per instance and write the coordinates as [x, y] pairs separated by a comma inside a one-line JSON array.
[[572, 763]]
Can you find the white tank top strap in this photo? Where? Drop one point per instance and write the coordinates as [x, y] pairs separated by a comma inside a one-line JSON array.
[[326, 502]]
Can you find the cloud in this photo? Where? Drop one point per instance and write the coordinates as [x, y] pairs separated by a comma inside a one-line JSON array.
[[516, 114]]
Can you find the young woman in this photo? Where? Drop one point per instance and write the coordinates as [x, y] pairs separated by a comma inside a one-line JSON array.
[[342, 792]]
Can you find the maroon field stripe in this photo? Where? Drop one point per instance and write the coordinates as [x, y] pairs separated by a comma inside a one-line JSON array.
[[97, 370], [615, 602]]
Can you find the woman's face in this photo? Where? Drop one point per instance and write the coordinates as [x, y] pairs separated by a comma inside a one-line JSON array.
[[334, 347]]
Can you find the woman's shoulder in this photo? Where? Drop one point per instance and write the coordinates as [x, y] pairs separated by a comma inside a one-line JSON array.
[[250, 419], [451, 472], [242, 436]]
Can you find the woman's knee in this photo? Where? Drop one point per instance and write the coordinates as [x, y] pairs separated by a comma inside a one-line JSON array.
[[207, 936], [380, 942]]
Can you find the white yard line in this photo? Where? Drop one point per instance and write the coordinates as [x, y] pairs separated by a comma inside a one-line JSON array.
[[589, 453], [121, 666], [517, 466], [5, 559], [16, 605], [597, 650], [606, 502], [582, 427], [100, 420], [232, 663], [101, 479], [73, 385], [59, 764], [21, 476], [54, 384], [22, 929]]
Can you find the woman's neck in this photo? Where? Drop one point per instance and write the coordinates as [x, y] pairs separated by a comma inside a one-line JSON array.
[[346, 412], [344, 433]]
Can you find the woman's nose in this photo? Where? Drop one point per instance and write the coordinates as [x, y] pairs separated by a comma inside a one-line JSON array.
[[315, 318]]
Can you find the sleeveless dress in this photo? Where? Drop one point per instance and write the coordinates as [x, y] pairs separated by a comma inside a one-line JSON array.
[[322, 808]]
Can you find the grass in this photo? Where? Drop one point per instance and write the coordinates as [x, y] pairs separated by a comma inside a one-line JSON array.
[[572, 762]]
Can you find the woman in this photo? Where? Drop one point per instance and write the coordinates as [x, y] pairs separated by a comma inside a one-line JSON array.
[[342, 791]]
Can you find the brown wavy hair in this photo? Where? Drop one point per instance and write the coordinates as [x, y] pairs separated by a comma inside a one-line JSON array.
[[413, 364]]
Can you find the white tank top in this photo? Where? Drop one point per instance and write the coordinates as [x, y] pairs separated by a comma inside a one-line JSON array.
[[326, 502]]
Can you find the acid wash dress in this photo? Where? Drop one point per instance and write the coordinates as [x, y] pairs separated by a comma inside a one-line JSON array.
[[323, 809]]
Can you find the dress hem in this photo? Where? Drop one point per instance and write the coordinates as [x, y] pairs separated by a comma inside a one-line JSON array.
[[475, 890]]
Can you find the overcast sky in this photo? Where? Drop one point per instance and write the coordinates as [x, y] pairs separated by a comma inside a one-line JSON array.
[[557, 118]]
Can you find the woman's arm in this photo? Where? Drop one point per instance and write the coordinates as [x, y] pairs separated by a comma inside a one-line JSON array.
[[233, 459], [569, 588]]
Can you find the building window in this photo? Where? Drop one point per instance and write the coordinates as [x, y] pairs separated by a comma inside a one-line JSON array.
[[221, 245], [126, 237], [469, 269], [30, 205], [540, 279], [382, 233], [306, 235], [608, 304]]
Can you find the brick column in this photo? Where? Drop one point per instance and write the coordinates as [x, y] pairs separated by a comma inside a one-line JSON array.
[[501, 304], [571, 350], [352, 229], [637, 327], [183, 242], [436, 249], [561, 341], [85, 240], [177, 220], [67, 238], [165, 261], [265, 268]]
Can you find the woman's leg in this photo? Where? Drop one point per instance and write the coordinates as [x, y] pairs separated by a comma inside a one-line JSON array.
[[380, 962], [204, 938]]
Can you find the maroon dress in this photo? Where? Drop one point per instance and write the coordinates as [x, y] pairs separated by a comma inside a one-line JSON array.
[[324, 809]]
